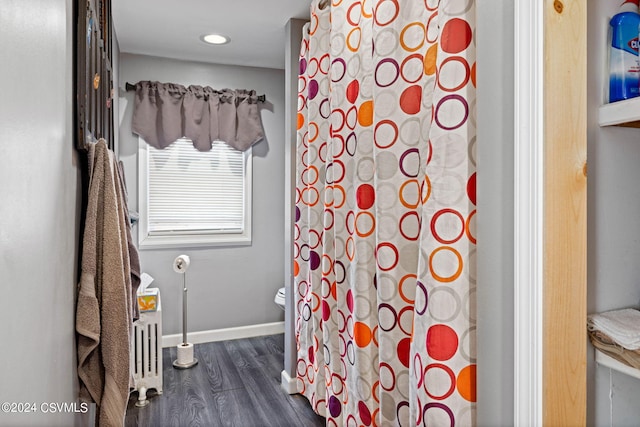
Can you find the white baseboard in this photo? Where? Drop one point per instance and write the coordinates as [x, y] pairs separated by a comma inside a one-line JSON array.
[[288, 384], [225, 334]]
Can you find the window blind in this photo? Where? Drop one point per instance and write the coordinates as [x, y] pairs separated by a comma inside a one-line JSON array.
[[190, 191]]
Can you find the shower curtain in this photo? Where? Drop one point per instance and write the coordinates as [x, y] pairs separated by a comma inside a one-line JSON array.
[[384, 249]]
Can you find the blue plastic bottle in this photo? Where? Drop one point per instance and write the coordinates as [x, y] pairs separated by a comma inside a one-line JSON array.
[[624, 64]]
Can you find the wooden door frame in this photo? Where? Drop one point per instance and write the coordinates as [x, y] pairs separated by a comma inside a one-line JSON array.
[[550, 213]]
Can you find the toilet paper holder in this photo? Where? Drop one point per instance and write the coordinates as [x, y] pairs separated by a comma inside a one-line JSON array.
[[185, 359]]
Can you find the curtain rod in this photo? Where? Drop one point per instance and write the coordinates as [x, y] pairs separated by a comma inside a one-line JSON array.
[[129, 87]]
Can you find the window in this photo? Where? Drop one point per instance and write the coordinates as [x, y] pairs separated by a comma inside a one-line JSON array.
[[193, 198]]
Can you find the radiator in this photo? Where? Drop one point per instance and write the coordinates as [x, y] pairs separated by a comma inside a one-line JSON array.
[[146, 354]]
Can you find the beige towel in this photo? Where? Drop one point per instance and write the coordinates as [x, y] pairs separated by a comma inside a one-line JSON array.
[[623, 326], [608, 346], [103, 312]]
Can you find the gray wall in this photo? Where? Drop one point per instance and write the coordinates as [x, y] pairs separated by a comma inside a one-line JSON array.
[[613, 222], [494, 38], [228, 286], [39, 209]]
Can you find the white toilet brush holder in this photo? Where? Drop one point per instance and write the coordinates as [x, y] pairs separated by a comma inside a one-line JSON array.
[[185, 358]]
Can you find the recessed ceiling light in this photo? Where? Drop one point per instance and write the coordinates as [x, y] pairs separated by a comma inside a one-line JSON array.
[[216, 39]]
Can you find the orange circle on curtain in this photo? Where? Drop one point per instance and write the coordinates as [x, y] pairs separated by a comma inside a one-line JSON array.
[[361, 334], [375, 390], [350, 248], [296, 268], [402, 282], [313, 126], [313, 25], [403, 33], [354, 38], [426, 183], [317, 301], [431, 60], [300, 120], [339, 204], [458, 271], [416, 192], [374, 336], [365, 113], [467, 383], [328, 265], [364, 11], [473, 74], [467, 227], [306, 200], [362, 229]]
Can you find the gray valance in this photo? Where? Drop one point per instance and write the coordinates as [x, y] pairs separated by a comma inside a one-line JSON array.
[[165, 112]]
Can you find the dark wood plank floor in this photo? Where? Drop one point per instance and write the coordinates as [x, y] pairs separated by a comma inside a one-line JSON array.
[[236, 383]]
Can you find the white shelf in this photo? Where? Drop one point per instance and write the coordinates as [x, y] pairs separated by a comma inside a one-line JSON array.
[[621, 113], [610, 362]]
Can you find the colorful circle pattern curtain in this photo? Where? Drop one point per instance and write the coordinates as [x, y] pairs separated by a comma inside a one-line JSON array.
[[385, 213]]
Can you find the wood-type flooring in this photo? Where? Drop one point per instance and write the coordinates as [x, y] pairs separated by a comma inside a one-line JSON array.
[[236, 383]]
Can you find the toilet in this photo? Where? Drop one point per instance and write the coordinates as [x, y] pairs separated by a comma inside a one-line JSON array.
[[279, 298]]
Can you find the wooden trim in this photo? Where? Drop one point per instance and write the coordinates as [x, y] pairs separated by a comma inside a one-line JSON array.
[[565, 213]]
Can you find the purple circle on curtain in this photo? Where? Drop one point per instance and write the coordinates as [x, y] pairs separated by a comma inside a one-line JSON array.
[[421, 287], [297, 214], [335, 408], [303, 66], [454, 98], [304, 248], [351, 144], [340, 272], [445, 408], [394, 314], [327, 355], [351, 353], [337, 63], [403, 404], [314, 260], [313, 89], [409, 174], [325, 109], [396, 66], [306, 312]]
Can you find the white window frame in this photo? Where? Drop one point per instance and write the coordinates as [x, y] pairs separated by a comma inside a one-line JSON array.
[[147, 240]]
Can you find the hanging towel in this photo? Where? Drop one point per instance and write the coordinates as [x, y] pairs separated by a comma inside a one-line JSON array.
[[103, 311], [622, 326]]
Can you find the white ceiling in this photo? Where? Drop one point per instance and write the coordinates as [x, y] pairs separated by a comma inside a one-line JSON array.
[[172, 29]]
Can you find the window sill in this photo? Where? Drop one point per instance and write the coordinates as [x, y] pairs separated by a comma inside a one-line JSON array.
[[193, 241]]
